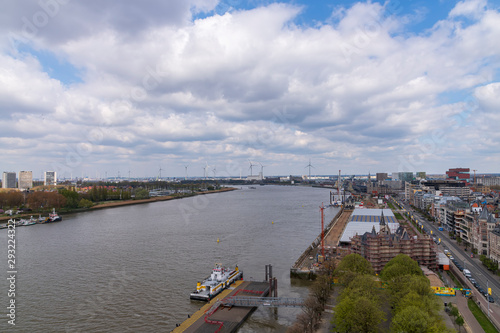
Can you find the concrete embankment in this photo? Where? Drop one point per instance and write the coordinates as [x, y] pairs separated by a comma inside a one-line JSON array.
[[304, 267]]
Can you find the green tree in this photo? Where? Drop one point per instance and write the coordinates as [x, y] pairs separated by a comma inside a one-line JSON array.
[[84, 203], [400, 265], [362, 286], [142, 194], [410, 320], [72, 198], [351, 266], [357, 314]]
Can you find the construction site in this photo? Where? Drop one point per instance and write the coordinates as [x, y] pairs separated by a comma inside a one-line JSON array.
[[364, 225]]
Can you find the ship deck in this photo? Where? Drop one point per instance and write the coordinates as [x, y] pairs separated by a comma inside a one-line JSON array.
[[232, 318]]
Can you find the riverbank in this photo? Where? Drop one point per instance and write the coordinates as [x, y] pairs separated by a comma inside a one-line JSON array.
[[121, 203]]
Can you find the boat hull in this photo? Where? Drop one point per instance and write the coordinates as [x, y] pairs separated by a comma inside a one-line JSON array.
[[207, 295]]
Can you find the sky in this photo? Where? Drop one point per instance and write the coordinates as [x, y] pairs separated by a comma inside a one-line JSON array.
[[118, 88]]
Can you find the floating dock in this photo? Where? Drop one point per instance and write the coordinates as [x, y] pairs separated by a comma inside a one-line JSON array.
[[213, 318]]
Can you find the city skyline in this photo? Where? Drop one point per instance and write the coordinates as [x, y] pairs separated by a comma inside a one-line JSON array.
[[91, 88]]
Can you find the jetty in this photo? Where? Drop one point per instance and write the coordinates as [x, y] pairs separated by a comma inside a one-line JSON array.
[[221, 314], [229, 310]]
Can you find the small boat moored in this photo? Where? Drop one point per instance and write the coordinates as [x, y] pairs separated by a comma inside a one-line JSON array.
[[53, 217]]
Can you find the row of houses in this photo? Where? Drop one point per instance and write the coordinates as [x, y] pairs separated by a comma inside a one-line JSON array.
[[471, 215]]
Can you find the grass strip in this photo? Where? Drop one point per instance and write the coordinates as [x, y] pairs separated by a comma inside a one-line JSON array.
[[455, 280], [485, 323], [398, 216]]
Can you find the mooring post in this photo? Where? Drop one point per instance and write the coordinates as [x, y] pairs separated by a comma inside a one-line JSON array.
[[266, 272], [270, 271], [275, 287]]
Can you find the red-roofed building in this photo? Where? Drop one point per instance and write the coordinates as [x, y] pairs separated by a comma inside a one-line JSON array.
[[461, 174]]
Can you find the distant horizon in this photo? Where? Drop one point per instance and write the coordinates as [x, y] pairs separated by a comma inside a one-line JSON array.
[[243, 177], [360, 86]]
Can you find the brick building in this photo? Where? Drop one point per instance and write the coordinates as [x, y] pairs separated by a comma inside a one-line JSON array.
[[379, 248]]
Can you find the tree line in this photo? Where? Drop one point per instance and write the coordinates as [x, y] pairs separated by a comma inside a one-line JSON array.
[[400, 292], [71, 198], [314, 305]]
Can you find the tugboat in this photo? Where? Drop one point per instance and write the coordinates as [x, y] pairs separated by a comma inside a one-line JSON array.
[[53, 217], [220, 279]]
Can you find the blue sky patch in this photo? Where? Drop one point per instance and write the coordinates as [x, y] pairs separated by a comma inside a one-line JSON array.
[[57, 68]]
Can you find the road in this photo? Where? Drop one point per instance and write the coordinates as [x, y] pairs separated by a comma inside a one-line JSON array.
[[478, 271]]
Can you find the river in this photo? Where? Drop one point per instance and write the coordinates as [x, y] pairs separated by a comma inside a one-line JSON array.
[[131, 269]]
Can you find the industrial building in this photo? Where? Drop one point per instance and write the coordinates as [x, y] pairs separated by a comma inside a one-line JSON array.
[[364, 220]]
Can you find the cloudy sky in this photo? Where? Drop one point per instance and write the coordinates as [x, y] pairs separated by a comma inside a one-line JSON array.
[[106, 87]]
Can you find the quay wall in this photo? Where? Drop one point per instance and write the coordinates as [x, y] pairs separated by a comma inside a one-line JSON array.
[[295, 271]]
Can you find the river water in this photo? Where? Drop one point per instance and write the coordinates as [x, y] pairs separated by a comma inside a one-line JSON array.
[[131, 269]]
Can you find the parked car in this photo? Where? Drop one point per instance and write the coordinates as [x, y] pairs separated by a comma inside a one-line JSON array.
[[460, 268], [490, 299], [481, 290], [473, 281]]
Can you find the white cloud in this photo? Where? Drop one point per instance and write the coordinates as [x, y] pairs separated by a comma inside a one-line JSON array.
[[471, 8], [489, 97]]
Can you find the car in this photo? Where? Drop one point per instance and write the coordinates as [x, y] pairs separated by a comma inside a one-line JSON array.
[[474, 282], [490, 299], [481, 290], [460, 268], [452, 258]]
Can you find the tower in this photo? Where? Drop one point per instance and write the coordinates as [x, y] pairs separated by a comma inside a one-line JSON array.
[[384, 228]]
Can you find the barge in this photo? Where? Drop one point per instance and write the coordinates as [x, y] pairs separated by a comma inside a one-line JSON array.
[[220, 279]]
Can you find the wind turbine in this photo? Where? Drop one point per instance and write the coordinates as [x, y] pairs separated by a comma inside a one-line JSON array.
[[214, 170], [205, 169], [251, 167], [262, 170], [186, 167], [309, 166], [159, 174]]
